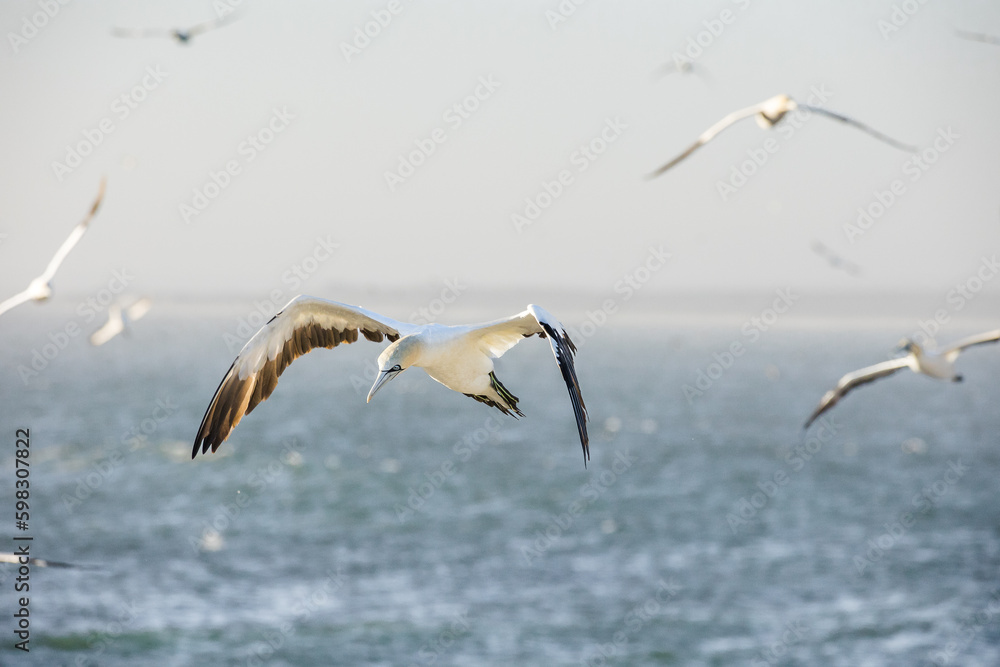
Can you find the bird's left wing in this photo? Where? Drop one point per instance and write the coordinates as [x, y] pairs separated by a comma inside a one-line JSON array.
[[71, 241], [110, 329], [304, 324], [37, 562], [861, 126], [15, 300], [952, 351], [498, 337], [711, 132]]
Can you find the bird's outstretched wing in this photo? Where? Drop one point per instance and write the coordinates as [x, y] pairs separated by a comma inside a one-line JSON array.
[[978, 37], [856, 379], [138, 309], [15, 300], [205, 26], [142, 32], [109, 329], [861, 126], [498, 337], [303, 324], [37, 562], [952, 351], [711, 132], [74, 237]]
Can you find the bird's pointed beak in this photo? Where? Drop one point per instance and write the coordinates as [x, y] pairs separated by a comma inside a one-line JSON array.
[[383, 377]]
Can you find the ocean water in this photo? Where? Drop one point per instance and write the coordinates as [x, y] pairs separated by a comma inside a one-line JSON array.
[[425, 528]]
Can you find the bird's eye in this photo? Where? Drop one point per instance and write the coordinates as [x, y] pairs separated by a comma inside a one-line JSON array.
[[395, 368]]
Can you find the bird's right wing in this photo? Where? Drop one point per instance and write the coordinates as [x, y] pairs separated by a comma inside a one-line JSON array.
[[74, 236], [856, 379], [711, 132], [15, 300], [304, 324], [979, 339], [138, 309], [37, 562], [499, 336], [861, 126]]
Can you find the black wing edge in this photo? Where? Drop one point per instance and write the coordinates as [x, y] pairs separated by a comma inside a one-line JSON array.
[[565, 349]]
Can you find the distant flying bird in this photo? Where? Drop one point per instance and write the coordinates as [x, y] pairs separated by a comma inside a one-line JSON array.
[[37, 562], [119, 320], [40, 288], [182, 35], [978, 37], [680, 66], [459, 357], [768, 114], [940, 365], [835, 260]]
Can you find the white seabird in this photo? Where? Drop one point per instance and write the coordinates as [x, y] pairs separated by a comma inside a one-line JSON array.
[[37, 562], [459, 357], [978, 37], [40, 289], [939, 365], [835, 260], [182, 35], [768, 114], [119, 320]]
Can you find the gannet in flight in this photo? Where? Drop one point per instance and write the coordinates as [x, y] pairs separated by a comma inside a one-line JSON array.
[[835, 260], [37, 562], [768, 114], [182, 35], [119, 320], [459, 357], [978, 37], [940, 365], [680, 66], [40, 288]]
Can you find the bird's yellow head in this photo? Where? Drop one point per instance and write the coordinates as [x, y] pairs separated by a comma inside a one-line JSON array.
[[394, 360]]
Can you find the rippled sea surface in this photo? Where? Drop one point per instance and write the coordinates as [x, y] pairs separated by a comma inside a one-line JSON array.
[[425, 528]]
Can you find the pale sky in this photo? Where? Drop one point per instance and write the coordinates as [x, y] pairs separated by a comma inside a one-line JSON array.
[[336, 127]]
